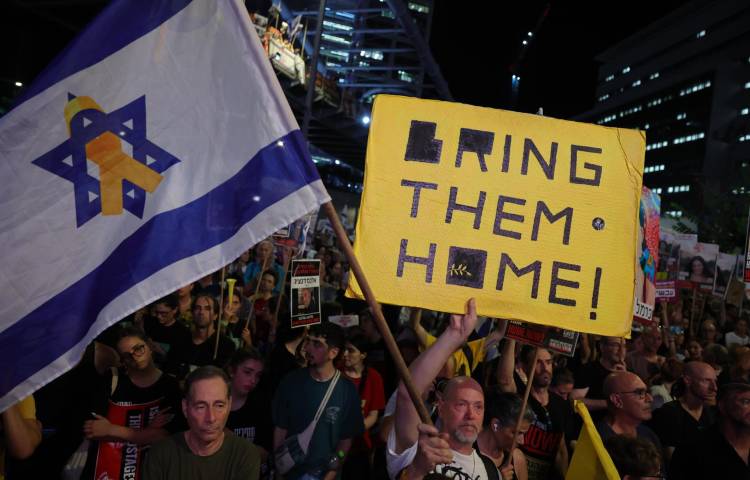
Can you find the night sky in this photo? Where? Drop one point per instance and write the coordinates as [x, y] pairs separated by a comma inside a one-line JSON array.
[[475, 46]]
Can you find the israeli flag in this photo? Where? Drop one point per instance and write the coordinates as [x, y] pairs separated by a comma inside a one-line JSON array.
[[154, 150]]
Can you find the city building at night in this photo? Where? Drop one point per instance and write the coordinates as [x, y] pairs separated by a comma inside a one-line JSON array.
[[685, 81]]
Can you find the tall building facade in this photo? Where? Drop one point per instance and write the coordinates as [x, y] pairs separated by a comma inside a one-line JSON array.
[[685, 81]]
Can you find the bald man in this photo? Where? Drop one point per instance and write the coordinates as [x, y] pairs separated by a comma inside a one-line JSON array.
[[628, 406], [681, 420], [415, 449]]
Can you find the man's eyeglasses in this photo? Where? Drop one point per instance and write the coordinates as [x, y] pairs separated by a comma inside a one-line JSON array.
[[638, 392], [136, 351]]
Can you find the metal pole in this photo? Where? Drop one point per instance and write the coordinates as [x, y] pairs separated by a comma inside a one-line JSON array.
[[313, 69]]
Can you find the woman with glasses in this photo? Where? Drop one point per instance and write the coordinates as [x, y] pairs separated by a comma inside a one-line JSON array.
[[137, 406]]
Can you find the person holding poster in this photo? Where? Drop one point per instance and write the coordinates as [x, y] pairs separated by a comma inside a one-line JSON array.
[[141, 402], [544, 443]]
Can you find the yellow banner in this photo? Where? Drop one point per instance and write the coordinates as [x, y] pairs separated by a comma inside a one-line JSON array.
[[534, 217], [590, 459]]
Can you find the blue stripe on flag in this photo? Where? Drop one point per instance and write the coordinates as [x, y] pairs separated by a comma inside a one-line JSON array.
[[60, 323], [120, 23]]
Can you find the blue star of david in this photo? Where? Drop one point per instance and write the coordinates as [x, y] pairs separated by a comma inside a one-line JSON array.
[[88, 125]]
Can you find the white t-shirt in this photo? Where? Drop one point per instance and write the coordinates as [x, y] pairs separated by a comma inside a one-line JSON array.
[[463, 467], [731, 338]]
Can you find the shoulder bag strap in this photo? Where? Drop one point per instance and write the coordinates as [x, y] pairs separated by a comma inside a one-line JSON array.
[[327, 396]]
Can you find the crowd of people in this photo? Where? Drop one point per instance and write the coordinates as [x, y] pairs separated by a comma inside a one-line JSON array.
[[212, 381]]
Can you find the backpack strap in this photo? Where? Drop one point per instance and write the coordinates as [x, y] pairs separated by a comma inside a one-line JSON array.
[[489, 466]]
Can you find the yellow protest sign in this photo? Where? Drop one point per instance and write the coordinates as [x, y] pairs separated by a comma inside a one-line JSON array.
[[534, 217]]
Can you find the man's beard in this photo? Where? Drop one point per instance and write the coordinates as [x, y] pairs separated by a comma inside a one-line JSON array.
[[466, 439]]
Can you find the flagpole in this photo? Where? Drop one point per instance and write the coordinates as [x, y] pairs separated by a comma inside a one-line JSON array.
[[221, 311], [529, 382], [390, 342]]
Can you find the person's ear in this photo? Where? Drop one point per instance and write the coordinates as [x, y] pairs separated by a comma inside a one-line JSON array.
[[615, 399], [333, 352]]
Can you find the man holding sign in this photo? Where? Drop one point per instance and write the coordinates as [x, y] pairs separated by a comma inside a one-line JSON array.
[[415, 449]]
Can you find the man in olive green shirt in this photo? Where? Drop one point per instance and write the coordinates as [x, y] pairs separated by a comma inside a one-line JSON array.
[[206, 450]]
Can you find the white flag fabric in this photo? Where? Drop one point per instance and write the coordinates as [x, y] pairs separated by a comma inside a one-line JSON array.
[[155, 149]]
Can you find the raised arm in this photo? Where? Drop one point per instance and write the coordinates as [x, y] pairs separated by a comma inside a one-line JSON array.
[[507, 366], [424, 370]]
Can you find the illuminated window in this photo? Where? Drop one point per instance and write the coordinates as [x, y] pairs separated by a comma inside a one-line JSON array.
[[695, 88], [609, 78], [337, 26], [418, 7], [653, 76], [700, 34], [335, 39], [688, 138], [626, 70]]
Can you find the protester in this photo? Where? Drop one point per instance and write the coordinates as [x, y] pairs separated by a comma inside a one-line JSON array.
[[681, 420], [249, 413], [628, 406], [563, 382], [286, 355], [739, 335], [369, 384], [662, 385], [21, 431], [163, 328], [589, 382], [302, 392], [139, 404], [645, 361], [235, 327], [500, 423], [694, 351], [264, 260], [412, 445], [206, 449], [199, 350], [721, 451], [262, 322], [545, 442], [708, 333], [185, 309]]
